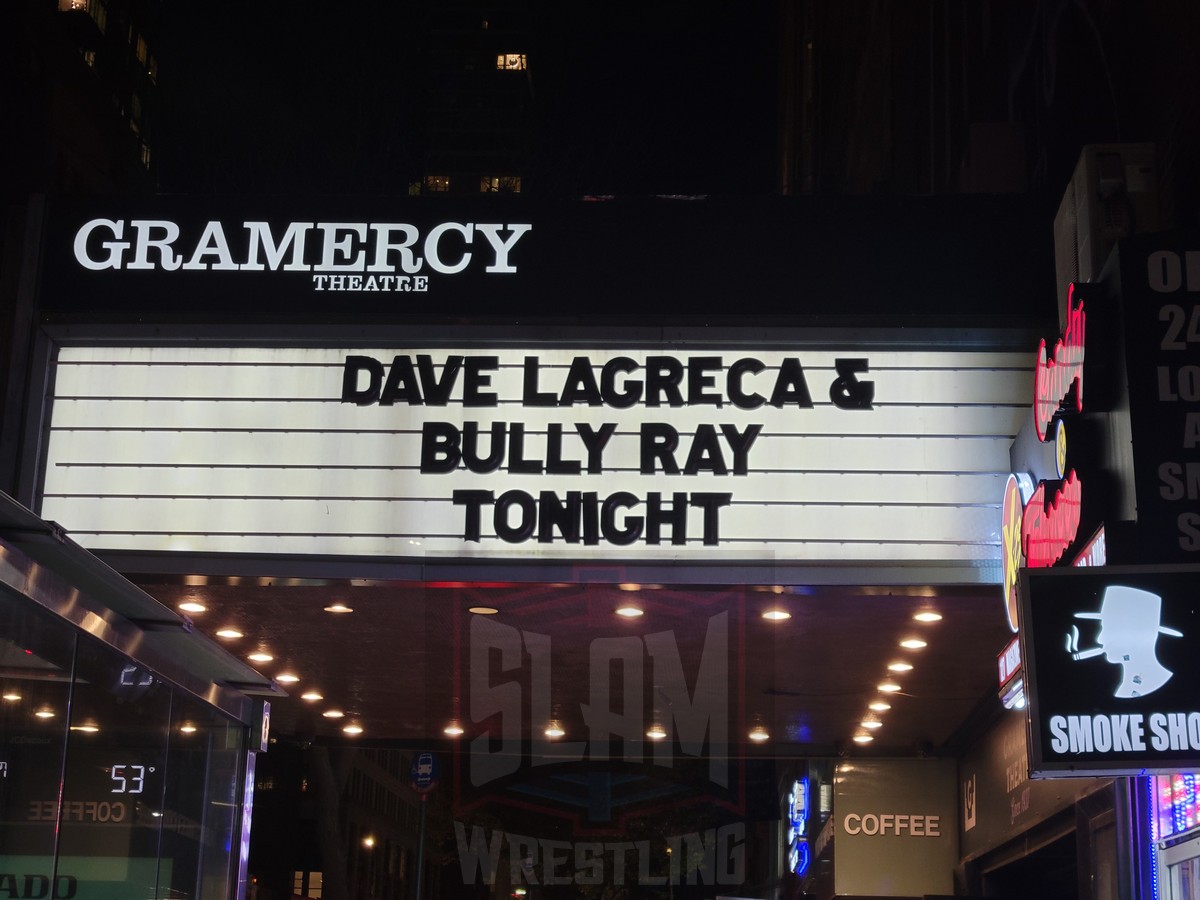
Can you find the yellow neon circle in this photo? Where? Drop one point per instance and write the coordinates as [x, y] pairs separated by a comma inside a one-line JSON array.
[[1060, 449]]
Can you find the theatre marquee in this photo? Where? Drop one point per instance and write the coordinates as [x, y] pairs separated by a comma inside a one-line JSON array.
[[549, 452]]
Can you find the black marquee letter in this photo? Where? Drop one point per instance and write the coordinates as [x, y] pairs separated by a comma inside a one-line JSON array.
[[350, 391]]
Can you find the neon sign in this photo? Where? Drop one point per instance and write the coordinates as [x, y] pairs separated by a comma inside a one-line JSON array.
[[1055, 375], [798, 850], [1047, 529], [1038, 526]]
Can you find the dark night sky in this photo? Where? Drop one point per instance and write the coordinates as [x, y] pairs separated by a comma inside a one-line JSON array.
[[279, 97]]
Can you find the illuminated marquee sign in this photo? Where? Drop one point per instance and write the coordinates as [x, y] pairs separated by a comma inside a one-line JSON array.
[[552, 453], [1042, 504]]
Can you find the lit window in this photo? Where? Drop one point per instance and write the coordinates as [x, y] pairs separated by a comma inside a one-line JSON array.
[[511, 62], [145, 154], [141, 50], [306, 884], [89, 58], [500, 184], [437, 184]]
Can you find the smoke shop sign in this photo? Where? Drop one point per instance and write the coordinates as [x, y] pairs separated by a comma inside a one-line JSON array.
[[555, 452], [1111, 657]]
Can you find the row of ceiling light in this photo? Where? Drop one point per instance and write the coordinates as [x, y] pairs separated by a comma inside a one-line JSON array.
[[261, 657], [629, 610], [872, 721], [86, 726]]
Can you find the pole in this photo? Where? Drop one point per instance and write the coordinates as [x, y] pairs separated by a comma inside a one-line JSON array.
[[420, 850]]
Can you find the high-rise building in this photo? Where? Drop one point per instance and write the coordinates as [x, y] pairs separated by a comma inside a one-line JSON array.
[[475, 97]]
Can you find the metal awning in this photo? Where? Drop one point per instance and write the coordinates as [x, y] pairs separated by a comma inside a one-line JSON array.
[[39, 561]]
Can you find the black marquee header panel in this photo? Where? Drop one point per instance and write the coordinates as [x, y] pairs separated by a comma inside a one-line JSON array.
[[410, 258]]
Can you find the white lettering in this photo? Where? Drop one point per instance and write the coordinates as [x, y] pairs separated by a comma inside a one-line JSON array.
[[1058, 735], [116, 247], [388, 247], [260, 236], [384, 246], [1124, 733], [1158, 727], [212, 243], [147, 241], [492, 233], [432, 250], [342, 247], [897, 824]]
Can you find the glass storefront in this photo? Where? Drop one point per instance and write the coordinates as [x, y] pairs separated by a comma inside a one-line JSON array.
[[113, 782]]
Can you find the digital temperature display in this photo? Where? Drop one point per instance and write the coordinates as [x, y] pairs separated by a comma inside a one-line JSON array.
[[128, 779]]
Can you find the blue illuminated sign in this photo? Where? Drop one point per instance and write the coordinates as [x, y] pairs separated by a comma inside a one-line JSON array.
[[798, 852]]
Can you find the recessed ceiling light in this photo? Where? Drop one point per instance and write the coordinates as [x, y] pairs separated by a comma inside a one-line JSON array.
[[45, 714], [193, 607], [629, 586], [629, 612], [338, 607], [187, 728], [368, 841], [759, 735], [863, 739], [913, 644], [889, 687], [11, 696], [86, 728], [311, 696], [554, 731], [776, 615], [287, 678], [453, 730], [352, 729], [871, 723], [260, 656], [900, 667], [928, 615], [333, 714], [879, 706], [656, 733], [483, 610], [229, 634]]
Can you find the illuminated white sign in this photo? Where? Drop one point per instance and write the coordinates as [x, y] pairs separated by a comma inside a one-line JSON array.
[[817, 454], [354, 256]]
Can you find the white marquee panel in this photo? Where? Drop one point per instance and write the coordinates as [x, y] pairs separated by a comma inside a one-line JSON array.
[[251, 450]]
